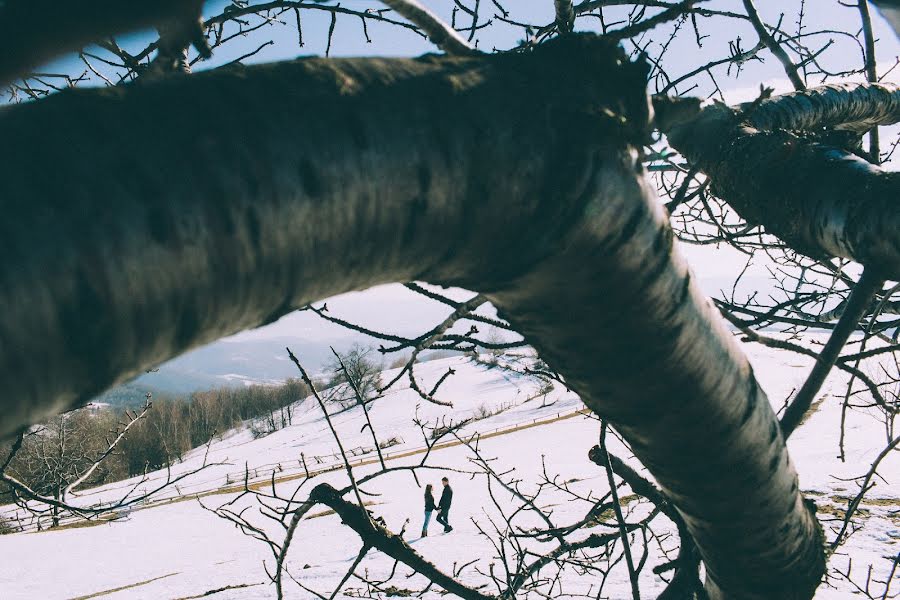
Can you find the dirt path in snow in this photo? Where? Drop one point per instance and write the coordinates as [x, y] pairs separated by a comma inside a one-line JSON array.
[[236, 488]]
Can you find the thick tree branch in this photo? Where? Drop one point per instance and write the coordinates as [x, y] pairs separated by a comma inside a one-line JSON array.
[[225, 228], [820, 201], [565, 15], [843, 106], [891, 11]]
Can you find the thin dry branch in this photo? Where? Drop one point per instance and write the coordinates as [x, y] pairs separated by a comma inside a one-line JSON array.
[[441, 34], [376, 536], [858, 303], [306, 378]]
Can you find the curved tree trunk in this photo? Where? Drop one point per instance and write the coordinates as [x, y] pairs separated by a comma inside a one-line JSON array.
[[619, 315], [150, 219]]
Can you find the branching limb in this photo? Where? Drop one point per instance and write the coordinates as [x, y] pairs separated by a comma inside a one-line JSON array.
[[565, 15], [774, 46], [109, 450], [175, 37], [842, 106], [394, 546], [858, 303], [891, 11], [805, 199], [441, 34]]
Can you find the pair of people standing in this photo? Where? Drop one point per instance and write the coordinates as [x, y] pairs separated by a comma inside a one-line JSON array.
[[443, 507]]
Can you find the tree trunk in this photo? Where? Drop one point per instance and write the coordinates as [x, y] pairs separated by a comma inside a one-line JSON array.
[[154, 218]]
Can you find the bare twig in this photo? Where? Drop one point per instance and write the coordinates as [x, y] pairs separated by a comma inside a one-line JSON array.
[[441, 34], [868, 285]]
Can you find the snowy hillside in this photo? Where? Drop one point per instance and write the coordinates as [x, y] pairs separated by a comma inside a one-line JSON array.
[[175, 547]]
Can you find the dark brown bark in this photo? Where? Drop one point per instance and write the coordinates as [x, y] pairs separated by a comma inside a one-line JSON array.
[[843, 106], [34, 31], [166, 215], [154, 218], [819, 200]]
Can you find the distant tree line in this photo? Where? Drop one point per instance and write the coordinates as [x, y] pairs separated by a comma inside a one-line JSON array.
[[59, 451], [176, 425]]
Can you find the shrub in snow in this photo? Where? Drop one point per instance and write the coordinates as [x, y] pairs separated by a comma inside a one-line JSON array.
[[7, 527], [394, 441]]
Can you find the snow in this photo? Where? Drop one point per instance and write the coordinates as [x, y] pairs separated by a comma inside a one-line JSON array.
[[178, 549]]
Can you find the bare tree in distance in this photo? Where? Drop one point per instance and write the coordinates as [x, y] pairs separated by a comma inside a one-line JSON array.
[[522, 174], [45, 467], [355, 370]]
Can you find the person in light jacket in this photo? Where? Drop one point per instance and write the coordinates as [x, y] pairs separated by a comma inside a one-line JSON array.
[[429, 508]]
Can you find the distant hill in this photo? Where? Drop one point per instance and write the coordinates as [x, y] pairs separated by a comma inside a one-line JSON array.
[[245, 360], [226, 363]]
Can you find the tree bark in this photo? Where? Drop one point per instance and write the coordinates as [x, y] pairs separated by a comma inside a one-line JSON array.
[[153, 218], [843, 106], [646, 351], [819, 200]]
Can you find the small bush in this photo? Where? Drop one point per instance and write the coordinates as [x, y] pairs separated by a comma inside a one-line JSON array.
[[260, 429], [442, 430], [6, 527], [483, 412]]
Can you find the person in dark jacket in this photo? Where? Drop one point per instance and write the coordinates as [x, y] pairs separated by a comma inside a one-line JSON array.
[[444, 506], [429, 508]]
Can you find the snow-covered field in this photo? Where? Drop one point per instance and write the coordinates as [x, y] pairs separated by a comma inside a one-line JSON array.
[[182, 550]]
